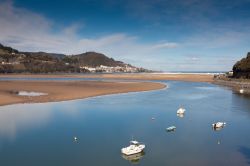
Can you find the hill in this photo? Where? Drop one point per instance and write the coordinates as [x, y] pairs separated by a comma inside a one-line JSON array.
[[7, 50], [94, 59], [241, 69], [44, 54], [13, 61]]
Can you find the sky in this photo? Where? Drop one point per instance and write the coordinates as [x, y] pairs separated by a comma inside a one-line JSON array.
[[162, 35]]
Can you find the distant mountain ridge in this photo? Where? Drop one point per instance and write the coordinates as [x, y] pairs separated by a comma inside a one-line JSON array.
[[13, 61], [54, 55]]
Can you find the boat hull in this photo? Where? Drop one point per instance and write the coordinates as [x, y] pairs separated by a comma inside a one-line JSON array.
[[218, 125], [181, 111], [132, 150], [172, 128]]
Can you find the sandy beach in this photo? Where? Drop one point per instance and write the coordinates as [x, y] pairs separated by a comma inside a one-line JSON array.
[[175, 77], [129, 76], [67, 90]]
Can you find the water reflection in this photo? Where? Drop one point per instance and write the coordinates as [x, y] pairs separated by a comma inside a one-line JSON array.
[[135, 158], [246, 152], [208, 88], [194, 96], [21, 117], [217, 128], [180, 115]]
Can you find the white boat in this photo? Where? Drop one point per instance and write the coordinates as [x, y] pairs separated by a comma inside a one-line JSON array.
[[241, 91], [134, 148], [218, 125], [181, 110], [171, 128]]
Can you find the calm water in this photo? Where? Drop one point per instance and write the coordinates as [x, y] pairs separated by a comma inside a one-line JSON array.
[[42, 134]]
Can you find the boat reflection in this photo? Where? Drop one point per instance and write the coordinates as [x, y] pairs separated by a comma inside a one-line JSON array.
[[135, 158], [217, 128], [180, 115]]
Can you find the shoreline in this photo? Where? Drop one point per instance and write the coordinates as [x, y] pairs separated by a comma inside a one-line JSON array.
[[67, 90], [63, 90], [236, 85]]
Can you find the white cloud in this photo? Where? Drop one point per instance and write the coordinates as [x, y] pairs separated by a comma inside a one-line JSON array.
[[222, 35], [29, 31], [165, 45]]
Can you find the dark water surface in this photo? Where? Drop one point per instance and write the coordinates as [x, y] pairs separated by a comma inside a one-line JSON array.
[[42, 134]]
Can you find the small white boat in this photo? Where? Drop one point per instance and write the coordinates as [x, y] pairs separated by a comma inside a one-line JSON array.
[[171, 128], [134, 148], [218, 125], [181, 110], [241, 91]]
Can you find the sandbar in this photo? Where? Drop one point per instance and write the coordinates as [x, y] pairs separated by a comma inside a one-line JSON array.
[[129, 76], [67, 90]]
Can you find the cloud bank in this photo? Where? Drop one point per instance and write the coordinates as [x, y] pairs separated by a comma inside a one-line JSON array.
[[29, 31]]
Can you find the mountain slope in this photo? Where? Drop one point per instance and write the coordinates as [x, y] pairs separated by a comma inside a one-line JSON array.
[[7, 50], [94, 59], [13, 61], [44, 54]]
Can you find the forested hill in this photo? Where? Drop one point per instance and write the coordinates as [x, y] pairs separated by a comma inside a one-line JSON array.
[[14, 61], [242, 68]]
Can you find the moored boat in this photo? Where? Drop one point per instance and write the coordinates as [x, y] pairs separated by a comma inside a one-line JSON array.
[[134, 148], [171, 128], [181, 110], [218, 125]]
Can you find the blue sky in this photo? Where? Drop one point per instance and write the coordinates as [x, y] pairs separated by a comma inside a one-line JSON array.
[[167, 35]]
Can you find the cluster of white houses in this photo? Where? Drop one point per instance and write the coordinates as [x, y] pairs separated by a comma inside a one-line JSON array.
[[10, 63], [111, 69]]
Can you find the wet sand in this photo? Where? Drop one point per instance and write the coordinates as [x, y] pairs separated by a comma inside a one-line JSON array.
[[67, 90], [176, 77], [130, 76]]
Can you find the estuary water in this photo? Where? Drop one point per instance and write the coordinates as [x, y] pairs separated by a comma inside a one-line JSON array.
[[43, 134]]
